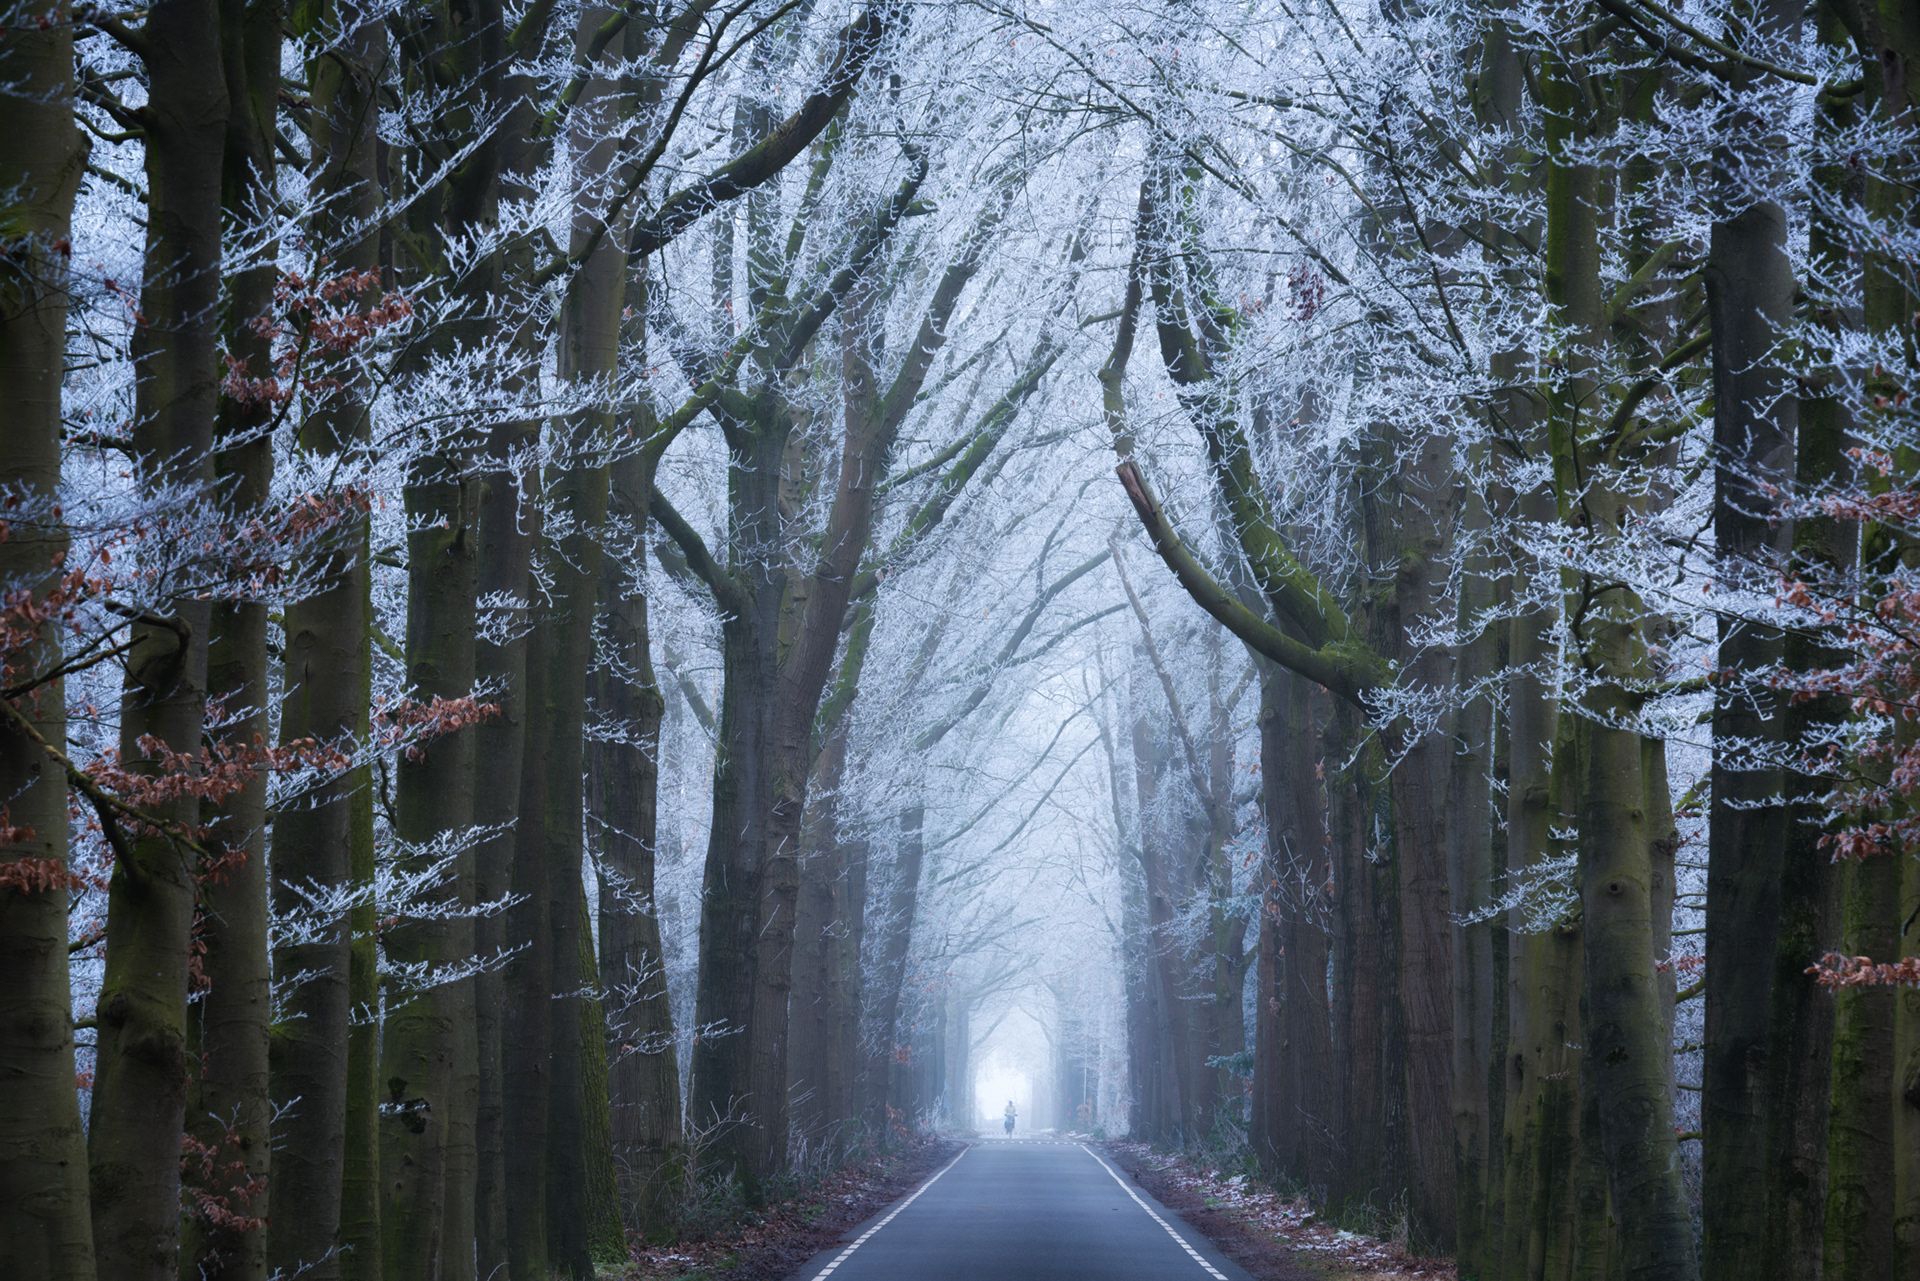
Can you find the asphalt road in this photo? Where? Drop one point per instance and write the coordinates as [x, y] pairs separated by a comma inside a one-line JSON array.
[[1024, 1210]]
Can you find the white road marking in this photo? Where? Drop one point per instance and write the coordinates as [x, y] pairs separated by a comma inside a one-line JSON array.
[[861, 1240], [1179, 1240]]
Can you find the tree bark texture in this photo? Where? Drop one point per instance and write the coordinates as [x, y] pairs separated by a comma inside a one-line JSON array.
[[433, 796], [582, 1201], [45, 1221], [1750, 295], [1626, 1076], [231, 1109], [506, 528], [623, 786], [326, 844], [140, 1083]]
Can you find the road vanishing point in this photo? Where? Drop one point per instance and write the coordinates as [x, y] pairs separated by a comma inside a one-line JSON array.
[[1024, 1210]]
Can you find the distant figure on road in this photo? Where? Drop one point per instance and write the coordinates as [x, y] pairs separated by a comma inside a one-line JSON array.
[[1011, 1114]]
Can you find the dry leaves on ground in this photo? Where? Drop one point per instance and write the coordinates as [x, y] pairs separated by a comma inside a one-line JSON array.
[[779, 1238], [1263, 1230]]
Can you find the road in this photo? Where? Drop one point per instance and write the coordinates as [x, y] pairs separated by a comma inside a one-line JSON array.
[[1024, 1210]]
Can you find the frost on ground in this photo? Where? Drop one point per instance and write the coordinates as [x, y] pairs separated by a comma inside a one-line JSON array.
[[1274, 1236]]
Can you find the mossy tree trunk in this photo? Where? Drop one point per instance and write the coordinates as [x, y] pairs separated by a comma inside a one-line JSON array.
[[847, 989], [1162, 850], [45, 1224], [1359, 1003], [1227, 957], [1801, 1018], [1750, 294], [502, 565], [231, 1106], [139, 1096], [473, 67], [886, 1069], [1871, 1173], [589, 345], [506, 527], [1277, 1102], [1906, 1085], [326, 844], [1479, 1050], [623, 788], [820, 921], [526, 1047], [1297, 941], [1626, 1078], [429, 1067], [1860, 1155], [433, 796], [1409, 535]]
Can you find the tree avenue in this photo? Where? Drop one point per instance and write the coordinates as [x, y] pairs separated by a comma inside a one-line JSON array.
[[609, 609]]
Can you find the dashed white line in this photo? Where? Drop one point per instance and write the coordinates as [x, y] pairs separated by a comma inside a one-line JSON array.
[[1179, 1240], [861, 1240]]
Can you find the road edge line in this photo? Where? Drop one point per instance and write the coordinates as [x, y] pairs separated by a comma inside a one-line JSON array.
[[861, 1240], [1153, 1214]]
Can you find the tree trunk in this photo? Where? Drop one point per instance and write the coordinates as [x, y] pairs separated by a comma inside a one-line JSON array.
[[583, 1185], [429, 1068], [773, 958], [1626, 1066], [507, 526], [45, 1226], [231, 1108], [1479, 1050], [1906, 1086], [1868, 1175], [1750, 296], [1860, 1154], [502, 564], [890, 1050], [433, 797], [1175, 1117], [325, 685], [1142, 1008], [526, 1049], [1276, 1105], [1627, 1051], [1801, 1057], [360, 1172], [819, 924], [1301, 849], [1541, 1128], [1361, 995], [472, 67], [1423, 839], [959, 1083], [582, 1203], [1542, 1121], [623, 786], [720, 1101], [845, 1059], [139, 1093], [1226, 934]]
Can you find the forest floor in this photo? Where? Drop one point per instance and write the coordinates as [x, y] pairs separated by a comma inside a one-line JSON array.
[[1275, 1237], [769, 1244]]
